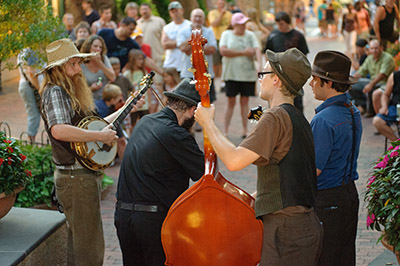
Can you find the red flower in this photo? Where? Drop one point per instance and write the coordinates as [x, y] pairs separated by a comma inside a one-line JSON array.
[[10, 149], [23, 157], [7, 141], [28, 173], [9, 160], [1, 160]]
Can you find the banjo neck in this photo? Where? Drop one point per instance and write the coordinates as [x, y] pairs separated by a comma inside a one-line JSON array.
[[145, 83]]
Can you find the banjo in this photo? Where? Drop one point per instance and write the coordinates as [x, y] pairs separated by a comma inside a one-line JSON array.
[[97, 155]]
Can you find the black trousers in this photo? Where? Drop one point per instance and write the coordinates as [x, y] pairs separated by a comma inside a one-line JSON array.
[[337, 209], [139, 235]]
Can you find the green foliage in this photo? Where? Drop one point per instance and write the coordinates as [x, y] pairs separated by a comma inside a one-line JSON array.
[[27, 23], [38, 190], [383, 196], [13, 165]]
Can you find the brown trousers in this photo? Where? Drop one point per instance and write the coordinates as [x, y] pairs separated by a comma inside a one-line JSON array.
[[291, 240]]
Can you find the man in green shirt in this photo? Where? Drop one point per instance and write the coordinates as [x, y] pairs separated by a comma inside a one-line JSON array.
[[379, 65]]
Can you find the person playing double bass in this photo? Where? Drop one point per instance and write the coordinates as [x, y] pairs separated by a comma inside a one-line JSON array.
[[160, 158], [282, 147]]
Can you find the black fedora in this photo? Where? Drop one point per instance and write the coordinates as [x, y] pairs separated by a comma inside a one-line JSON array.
[[185, 91], [333, 66]]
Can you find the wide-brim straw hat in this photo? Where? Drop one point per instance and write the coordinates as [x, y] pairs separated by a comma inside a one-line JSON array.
[[60, 51]]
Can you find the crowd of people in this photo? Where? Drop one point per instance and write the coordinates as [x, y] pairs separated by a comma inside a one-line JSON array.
[[102, 62]]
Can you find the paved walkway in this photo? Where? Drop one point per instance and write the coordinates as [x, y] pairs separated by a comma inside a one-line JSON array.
[[12, 111]]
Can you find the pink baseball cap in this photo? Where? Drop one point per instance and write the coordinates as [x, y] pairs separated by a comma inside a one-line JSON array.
[[238, 18]]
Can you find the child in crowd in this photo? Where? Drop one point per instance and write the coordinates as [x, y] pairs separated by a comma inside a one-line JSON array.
[[135, 71], [112, 100], [120, 80], [171, 80]]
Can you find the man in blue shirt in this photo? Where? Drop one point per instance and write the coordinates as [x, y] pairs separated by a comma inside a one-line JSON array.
[[337, 133]]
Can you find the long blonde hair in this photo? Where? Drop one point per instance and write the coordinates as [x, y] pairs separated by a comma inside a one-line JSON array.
[[76, 87]]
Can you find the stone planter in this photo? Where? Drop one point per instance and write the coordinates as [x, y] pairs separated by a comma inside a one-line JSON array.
[[389, 247], [7, 201]]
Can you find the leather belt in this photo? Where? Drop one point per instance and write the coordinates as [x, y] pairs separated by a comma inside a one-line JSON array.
[[136, 207]]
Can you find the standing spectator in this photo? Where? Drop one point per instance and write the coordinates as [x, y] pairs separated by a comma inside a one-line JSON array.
[[159, 160], [152, 27], [338, 10], [171, 79], [219, 19], [120, 80], [82, 30], [386, 108], [373, 7], [311, 9], [255, 26], [98, 70], [330, 17], [363, 21], [349, 24], [284, 38], [286, 182], [173, 55], [132, 10], [90, 15], [238, 48], [119, 43], [135, 71], [68, 20], [300, 14], [337, 130], [323, 26], [384, 23], [28, 89], [104, 22], [379, 65], [197, 18]]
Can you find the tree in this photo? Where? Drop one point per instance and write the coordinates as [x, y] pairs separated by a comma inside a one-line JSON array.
[[26, 23]]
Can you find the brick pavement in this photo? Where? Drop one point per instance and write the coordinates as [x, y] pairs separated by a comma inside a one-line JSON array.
[[12, 111]]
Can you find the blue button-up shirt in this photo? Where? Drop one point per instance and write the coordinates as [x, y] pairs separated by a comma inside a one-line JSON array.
[[333, 137]]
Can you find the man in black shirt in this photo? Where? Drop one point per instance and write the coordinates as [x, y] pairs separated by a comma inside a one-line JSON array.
[[160, 158], [284, 38]]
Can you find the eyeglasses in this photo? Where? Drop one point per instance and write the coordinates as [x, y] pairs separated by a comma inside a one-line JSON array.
[[261, 74]]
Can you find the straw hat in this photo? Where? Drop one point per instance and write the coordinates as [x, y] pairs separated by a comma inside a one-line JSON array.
[[60, 51]]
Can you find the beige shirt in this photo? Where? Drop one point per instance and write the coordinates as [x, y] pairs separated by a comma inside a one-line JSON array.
[[225, 22], [152, 30]]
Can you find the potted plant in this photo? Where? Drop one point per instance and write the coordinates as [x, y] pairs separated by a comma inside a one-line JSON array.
[[383, 198], [13, 172]]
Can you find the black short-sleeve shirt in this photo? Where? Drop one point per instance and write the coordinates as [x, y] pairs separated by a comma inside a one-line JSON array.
[[159, 159], [281, 41]]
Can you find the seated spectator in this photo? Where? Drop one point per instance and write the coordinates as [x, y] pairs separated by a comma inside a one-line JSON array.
[[98, 70], [105, 21], [110, 102], [120, 80], [90, 15], [68, 20], [379, 65], [386, 108], [82, 30], [360, 55]]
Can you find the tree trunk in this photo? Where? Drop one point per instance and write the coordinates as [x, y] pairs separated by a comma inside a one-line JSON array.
[[188, 6], [1, 83]]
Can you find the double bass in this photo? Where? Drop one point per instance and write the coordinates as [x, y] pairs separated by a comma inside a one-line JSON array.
[[213, 222]]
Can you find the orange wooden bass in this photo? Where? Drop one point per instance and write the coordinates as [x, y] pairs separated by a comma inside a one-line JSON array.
[[213, 222]]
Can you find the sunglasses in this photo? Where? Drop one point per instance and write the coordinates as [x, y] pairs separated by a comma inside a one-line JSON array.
[[261, 74]]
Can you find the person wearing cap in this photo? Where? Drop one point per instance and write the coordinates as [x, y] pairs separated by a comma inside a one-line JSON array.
[[238, 48], [379, 65], [286, 37], [197, 18], [66, 99], [287, 181], [173, 55], [337, 131], [158, 162]]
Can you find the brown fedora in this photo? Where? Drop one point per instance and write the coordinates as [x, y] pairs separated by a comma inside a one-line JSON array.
[[334, 66]]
